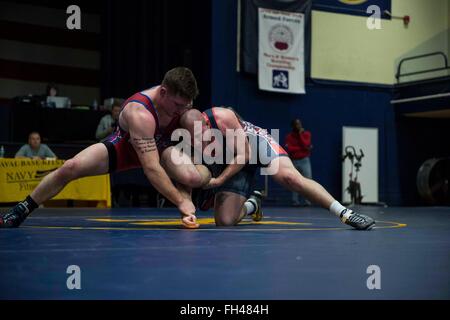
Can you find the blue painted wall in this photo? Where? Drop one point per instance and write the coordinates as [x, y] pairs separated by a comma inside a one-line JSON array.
[[324, 110]]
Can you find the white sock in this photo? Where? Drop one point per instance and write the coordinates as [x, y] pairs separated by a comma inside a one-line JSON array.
[[339, 209], [250, 206]]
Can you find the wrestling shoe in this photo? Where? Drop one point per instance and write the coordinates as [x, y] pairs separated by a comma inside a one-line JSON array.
[[14, 216], [356, 220], [256, 198]]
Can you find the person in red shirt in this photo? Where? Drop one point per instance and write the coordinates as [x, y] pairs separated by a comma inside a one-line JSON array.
[[298, 145]]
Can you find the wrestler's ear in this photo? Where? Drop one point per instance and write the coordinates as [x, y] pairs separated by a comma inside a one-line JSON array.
[[163, 91]]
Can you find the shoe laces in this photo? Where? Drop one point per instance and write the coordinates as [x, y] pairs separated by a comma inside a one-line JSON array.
[[356, 218], [10, 216], [17, 213]]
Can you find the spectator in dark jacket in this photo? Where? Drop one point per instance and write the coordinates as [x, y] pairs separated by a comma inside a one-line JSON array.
[[298, 145], [108, 123]]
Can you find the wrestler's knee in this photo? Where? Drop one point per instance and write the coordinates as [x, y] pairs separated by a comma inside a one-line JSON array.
[[191, 178], [292, 179], [225, 221], [196, 177], [69, 170]]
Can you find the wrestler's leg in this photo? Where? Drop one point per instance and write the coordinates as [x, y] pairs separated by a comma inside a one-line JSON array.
[[89, 162], [179, 167], [285, 173], [229, 208]]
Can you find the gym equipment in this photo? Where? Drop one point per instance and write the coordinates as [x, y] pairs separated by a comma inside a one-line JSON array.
[[354, 187], [433, 181]]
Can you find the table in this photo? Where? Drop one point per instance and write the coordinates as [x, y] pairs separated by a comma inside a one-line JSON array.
[[18, 177], [54, 125]]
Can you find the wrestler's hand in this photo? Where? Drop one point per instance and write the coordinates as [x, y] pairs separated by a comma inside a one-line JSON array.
[[187, 210], [190, 222], [213, 183]]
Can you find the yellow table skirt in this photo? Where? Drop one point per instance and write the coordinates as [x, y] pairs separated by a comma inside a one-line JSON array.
[[18, 177]]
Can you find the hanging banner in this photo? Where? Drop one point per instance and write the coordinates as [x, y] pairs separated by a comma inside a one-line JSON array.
[[18, 177], [353, 7], [281, 63]]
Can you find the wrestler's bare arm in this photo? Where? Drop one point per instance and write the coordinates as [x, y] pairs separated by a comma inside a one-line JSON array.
[[226, 119], [141, 126]]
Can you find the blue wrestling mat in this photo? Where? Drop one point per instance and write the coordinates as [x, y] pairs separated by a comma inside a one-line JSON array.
[[291, 254]]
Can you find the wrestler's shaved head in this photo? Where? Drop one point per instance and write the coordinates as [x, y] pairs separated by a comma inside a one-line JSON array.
[[188, 119]]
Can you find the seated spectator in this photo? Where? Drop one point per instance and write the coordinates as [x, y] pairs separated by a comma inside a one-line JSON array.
[[35, 149], [108, 123], [52, 90]]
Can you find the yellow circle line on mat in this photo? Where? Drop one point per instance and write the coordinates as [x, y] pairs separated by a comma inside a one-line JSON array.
[[393, 226], [201, 221]]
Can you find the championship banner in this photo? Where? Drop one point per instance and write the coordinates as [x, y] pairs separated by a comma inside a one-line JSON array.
[[18, 177], [281, 63]]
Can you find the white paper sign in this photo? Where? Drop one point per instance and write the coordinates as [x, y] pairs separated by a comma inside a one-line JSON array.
[[281, 60]]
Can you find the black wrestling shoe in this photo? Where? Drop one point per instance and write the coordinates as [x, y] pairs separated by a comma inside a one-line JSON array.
[[357, 221], [256, 197], [14, 217]]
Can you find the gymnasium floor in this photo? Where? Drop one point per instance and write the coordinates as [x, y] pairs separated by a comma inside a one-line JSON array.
[[293, 253]]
